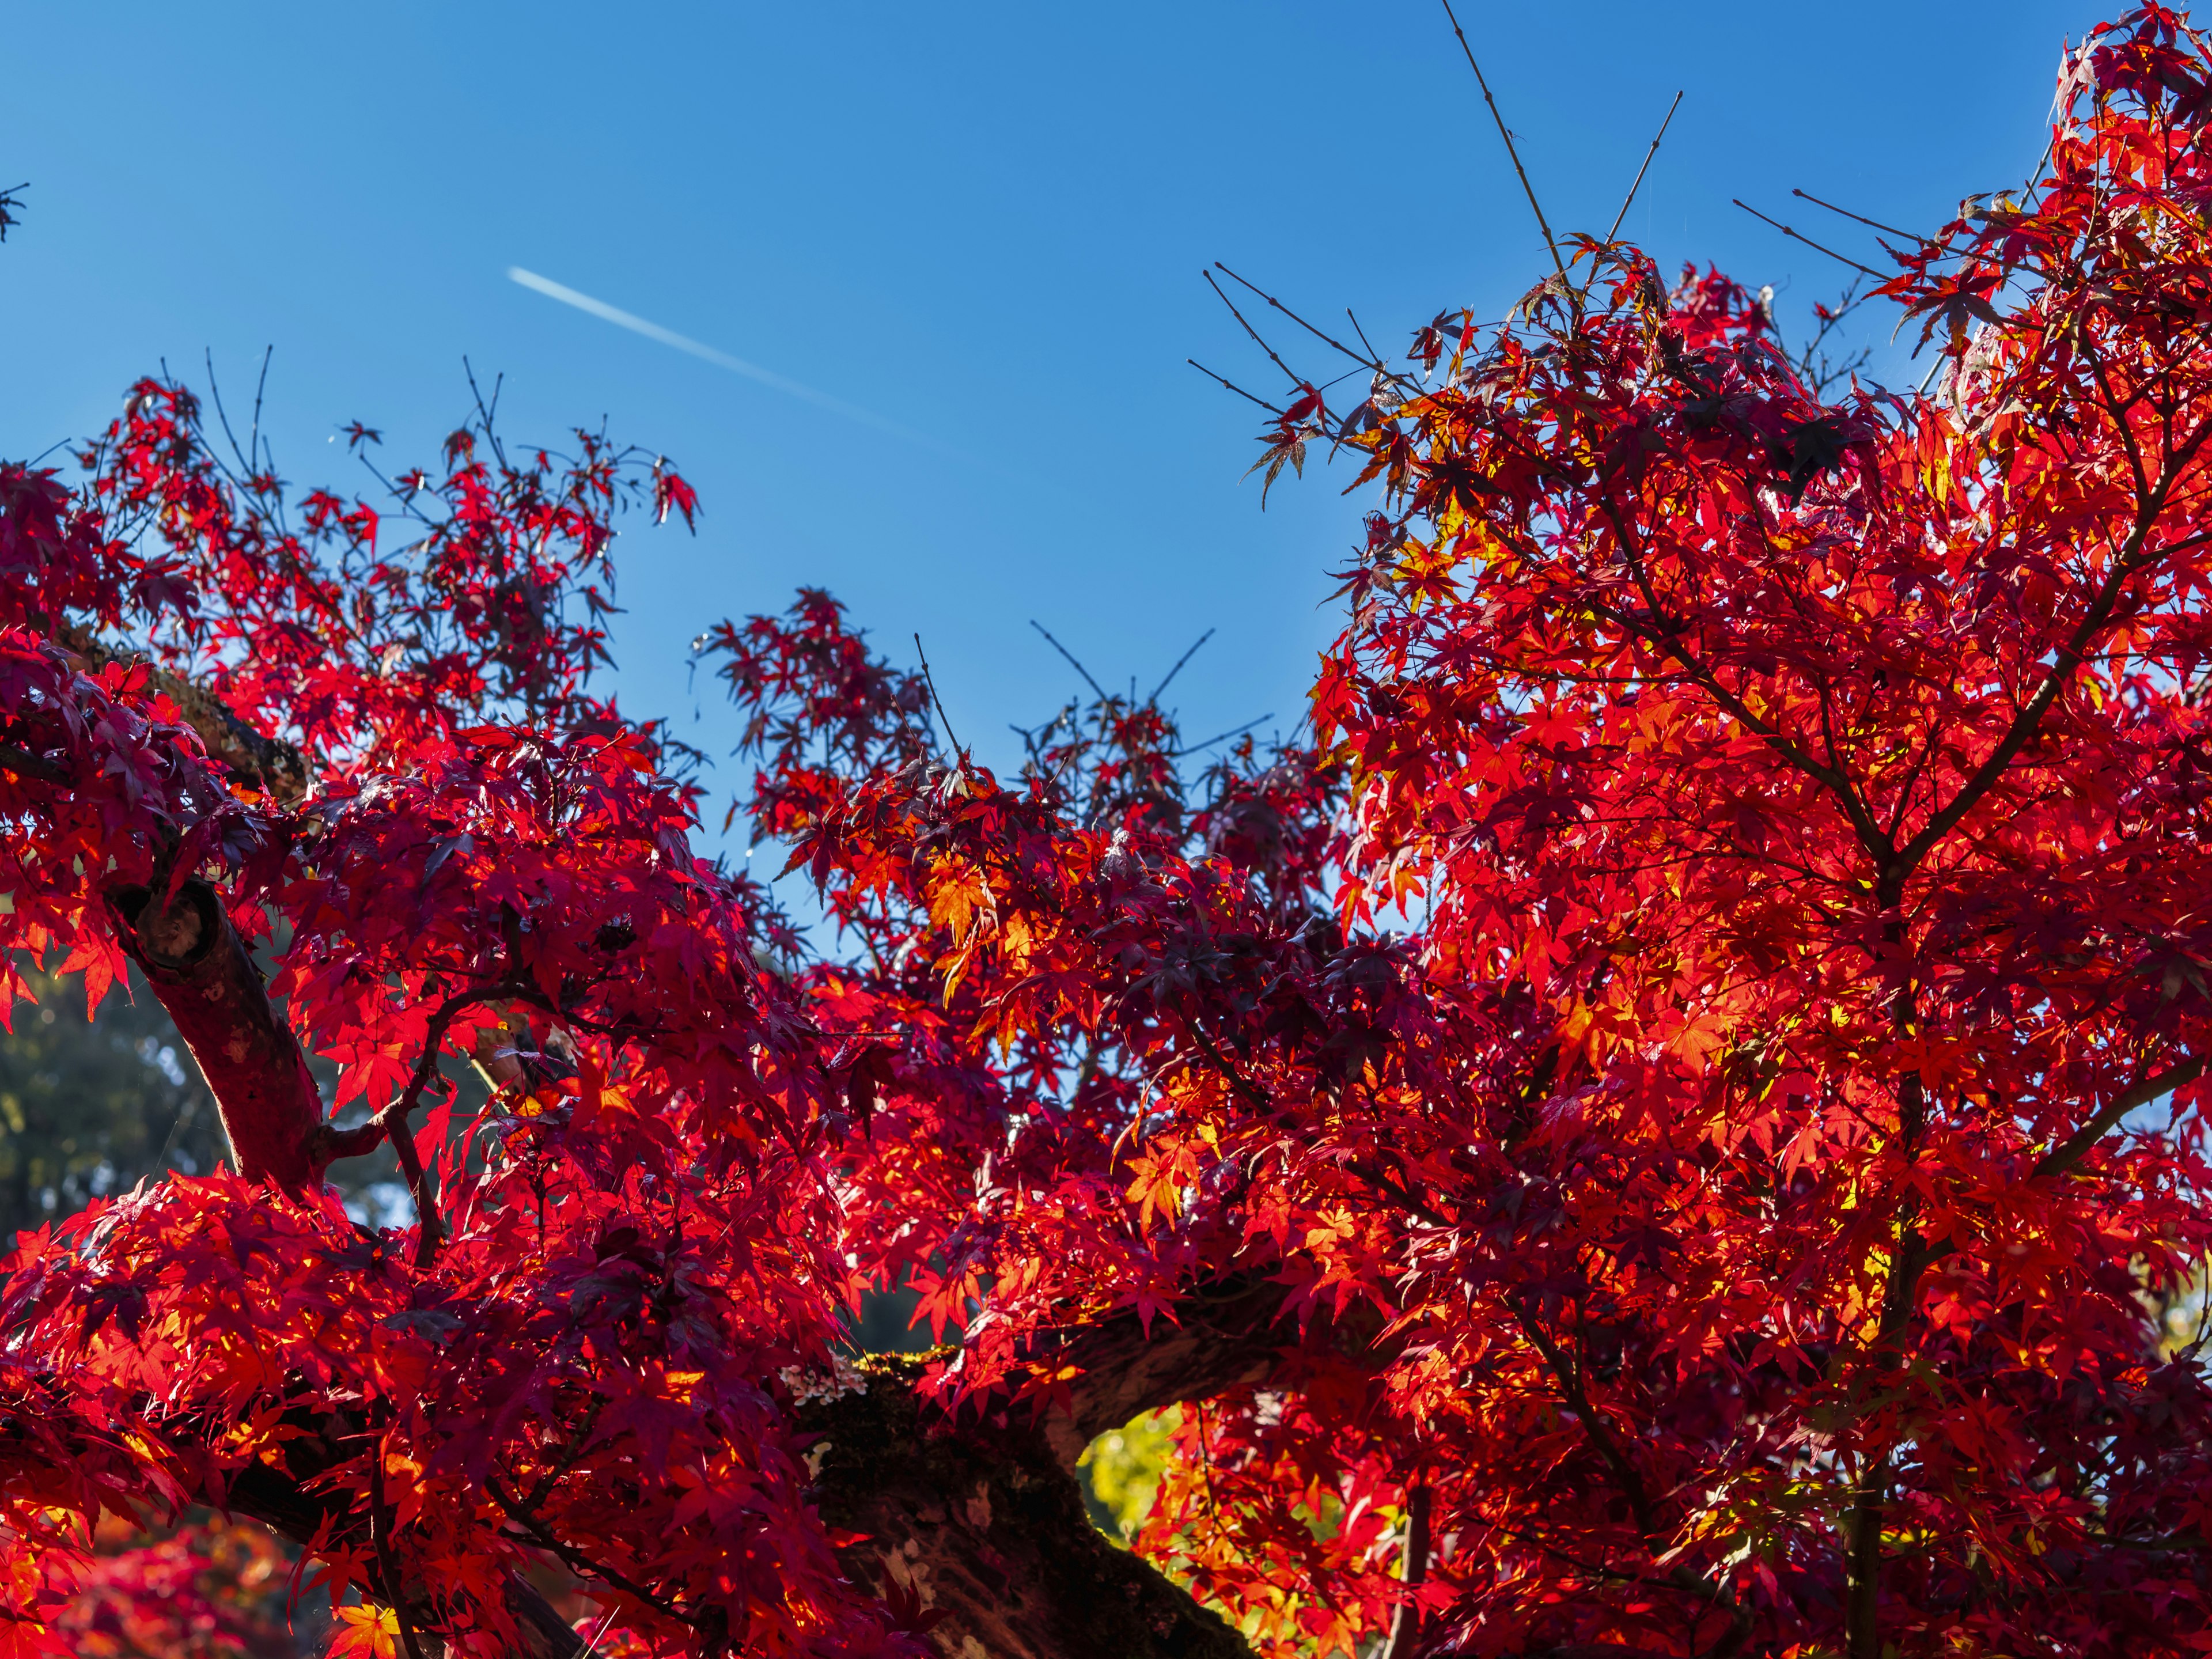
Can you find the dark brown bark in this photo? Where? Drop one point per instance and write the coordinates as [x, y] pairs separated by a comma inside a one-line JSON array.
[[203, 974], [1224, 1335], [978, 1518], [980, 1527]]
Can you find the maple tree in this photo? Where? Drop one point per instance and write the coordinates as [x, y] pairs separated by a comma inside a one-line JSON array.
[[1664, 1124]]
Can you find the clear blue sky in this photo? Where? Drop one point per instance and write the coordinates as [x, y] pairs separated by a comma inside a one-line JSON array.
[[984, 222]]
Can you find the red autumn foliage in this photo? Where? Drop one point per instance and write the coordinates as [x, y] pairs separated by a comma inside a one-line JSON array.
[[1735, 1218], [206, 1591]]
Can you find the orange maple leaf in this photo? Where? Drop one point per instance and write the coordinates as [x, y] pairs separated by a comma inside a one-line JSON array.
[[366, 1632]]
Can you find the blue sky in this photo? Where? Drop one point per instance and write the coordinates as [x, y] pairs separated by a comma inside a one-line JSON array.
[[983, 224]]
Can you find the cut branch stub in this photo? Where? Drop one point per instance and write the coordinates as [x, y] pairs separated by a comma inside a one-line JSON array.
[[203, 974]]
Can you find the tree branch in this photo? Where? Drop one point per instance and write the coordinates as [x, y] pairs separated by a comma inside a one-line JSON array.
[[2071, 1150], [268, 763], [983, 1525], [203, 974], [1413, 1566], [283, 1503]]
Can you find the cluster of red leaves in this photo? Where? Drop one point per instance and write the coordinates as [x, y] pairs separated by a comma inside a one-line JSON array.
[[365, 635], [1807, 797], [633, 1256], [1735, 1208], [1811, 800]]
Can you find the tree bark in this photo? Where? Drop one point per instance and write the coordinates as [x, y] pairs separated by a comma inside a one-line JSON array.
[[203, 974], [268, 764], [975, 1522], [977, 1532]]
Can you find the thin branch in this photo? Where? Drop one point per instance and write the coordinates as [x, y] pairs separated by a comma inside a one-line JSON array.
[[2064, 1156], [1571, 1391], [390, 1123], [1064, 651], [1294, 379], [254, 444], [1178, 668], [578, 1561], [1232, 386], [26, 764], [1369, 362], [1233, 731], [1542, 224], [215, 390], [1362, 333], [379, 1532], [1630, 200], [1664, 633], [1809, 241], [1873, 224], [930, 680], [2071, 656]]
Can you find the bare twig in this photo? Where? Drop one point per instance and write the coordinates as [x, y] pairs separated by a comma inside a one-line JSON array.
[[254, 444], [1362, 333], [1296, 380], [1063, 651], [215, 390], [1809, 241], [1178, 668], [1872, 224], [1542, 224], [930, 680], [1232, 386], [1371, 361], [1629, 199], [1233, 731]]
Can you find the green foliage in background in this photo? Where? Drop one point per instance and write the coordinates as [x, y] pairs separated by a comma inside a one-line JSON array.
[[89, 1107], [1121, 1471]]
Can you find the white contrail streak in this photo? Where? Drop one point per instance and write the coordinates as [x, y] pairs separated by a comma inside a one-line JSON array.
[[620, 318]]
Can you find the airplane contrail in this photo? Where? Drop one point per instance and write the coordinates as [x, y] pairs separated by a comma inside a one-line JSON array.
[[620, 318]]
